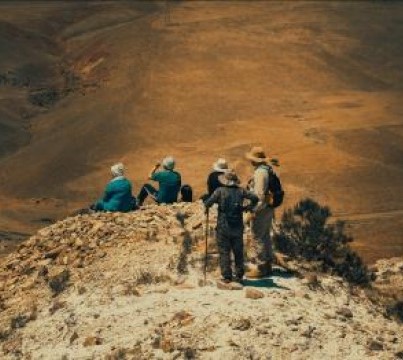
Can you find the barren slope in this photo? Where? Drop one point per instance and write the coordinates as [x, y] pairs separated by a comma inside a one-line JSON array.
[[127, 286], [317, 84]]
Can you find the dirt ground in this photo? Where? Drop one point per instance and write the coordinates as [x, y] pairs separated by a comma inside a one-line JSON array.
[[318, 84]]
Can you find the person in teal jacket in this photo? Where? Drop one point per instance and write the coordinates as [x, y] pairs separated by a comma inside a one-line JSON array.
[[169, 182], [118, 193]]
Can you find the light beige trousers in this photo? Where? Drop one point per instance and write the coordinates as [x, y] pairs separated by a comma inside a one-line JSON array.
[[261, 247]]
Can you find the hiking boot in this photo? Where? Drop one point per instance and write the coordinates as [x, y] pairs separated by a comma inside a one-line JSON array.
[[260, 271], [254, 273]]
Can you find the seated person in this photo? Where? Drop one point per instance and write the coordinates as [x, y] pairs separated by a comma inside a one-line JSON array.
[[220, 167], [118, 193], [169, 184]]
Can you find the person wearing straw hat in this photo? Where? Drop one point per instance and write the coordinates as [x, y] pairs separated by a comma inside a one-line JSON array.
[[261, 249], [118, 193], [213, 181], [230, 199], [169, 182]]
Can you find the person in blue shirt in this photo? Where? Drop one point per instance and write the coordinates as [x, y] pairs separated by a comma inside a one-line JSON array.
[[118, 193], [169, 182]]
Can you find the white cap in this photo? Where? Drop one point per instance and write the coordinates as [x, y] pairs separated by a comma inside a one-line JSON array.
[[168, 163], [220, 165]]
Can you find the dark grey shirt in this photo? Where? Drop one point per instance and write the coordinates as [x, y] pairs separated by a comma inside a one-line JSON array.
[[230, 200]]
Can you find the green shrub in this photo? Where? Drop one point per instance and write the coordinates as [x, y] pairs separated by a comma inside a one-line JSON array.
[[304, 233]]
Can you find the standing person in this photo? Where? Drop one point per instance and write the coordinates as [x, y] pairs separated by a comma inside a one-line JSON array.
[[262, 219], [169, 182], [213, 181], [230, 199], [118, 193]]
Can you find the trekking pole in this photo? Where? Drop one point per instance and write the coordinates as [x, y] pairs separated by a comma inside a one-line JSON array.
[[206, 251]]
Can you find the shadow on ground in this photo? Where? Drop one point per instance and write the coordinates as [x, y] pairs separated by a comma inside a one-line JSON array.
[[269, 282]]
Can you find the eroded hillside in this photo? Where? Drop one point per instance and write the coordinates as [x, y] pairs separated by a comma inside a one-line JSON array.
[[317, 84]]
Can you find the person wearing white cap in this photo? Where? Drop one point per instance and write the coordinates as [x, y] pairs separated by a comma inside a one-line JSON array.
[[118, 193], [220, 167], [169, 182]]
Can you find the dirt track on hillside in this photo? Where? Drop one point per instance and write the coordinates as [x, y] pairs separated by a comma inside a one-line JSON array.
[[317, 84]]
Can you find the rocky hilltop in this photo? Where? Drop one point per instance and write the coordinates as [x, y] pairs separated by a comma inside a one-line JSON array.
[[130, 286]]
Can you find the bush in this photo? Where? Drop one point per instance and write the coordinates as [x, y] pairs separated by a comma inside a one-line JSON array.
[[305, 233], [395, 309], [44, 97]]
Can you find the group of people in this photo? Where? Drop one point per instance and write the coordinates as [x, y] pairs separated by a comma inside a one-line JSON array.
[[223, 189], [118, 194]]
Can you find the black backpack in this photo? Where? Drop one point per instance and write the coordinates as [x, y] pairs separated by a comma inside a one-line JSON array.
[[276, 191], [186, 193]]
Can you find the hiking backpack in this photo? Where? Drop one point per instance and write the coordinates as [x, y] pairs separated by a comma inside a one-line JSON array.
[[276, 192], [186, 193]]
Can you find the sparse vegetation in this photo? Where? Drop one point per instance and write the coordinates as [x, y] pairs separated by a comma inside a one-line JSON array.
[[306, 234], [44, 97], [59, 282], [395, 310], [147, 277]]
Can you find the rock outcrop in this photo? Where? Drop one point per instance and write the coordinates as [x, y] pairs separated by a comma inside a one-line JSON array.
[[130, 286]]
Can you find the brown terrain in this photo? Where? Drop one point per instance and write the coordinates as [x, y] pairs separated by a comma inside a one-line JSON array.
[[318, 84]]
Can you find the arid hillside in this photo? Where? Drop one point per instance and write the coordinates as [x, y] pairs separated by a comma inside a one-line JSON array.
[[116, 286], [318, 84]]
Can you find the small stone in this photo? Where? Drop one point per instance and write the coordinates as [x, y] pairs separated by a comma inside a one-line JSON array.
[[73, 337], [43, 271], [375, 345], [92, 340], [183, 318], [399, 355], [346, 312], [57, 305], [252, 293], [81, 290], [241, 324], [59, 282], [167, 345], [308, 332]]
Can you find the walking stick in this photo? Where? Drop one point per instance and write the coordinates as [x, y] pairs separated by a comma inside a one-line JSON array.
[[205, 252]]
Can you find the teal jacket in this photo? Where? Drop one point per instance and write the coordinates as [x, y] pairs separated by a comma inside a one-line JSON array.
[[117, 197]]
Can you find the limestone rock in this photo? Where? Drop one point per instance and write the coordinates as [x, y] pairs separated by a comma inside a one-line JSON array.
[[345, 312], [375, 345], [241, 324], [92, 340], [59, 282], [255, 294]]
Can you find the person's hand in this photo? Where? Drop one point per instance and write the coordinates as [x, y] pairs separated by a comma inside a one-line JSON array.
[[250, 216]]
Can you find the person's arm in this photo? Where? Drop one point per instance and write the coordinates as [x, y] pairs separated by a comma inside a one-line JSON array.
[[210, 186], [154, 169], [253, 200], [107, 194], [213, 199], [260, 183]]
